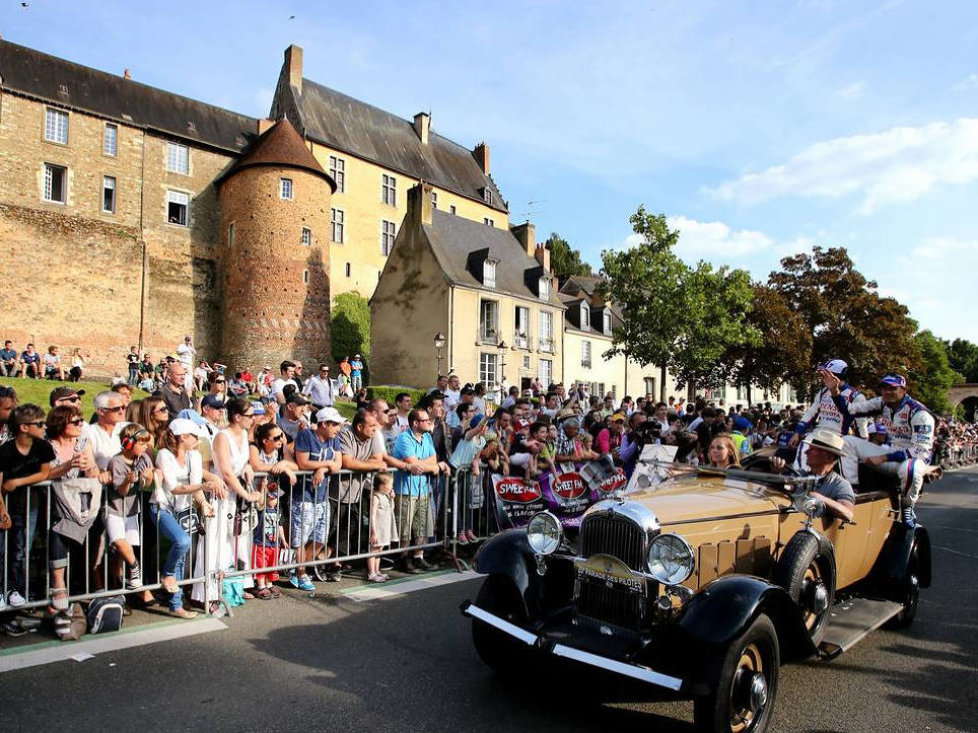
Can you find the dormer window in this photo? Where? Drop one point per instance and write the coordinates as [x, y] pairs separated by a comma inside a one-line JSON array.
[[585, 316], [607, 321], [487, 195], [489, 273], [544, 288]]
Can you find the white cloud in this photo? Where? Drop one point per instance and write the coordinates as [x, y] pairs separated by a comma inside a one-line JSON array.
[[969, 82], [714, 238], [940, 248], [852, 91], [901, 164]]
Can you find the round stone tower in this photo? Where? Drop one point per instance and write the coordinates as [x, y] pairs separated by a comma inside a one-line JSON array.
[[274, 253]]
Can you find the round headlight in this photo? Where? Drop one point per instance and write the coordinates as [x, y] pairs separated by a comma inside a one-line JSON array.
[[670, 559], [544, 533]]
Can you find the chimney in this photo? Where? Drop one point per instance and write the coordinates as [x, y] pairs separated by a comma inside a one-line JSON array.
[[526, 234], [264, 126], [419, 203], [542, 255], [293, 63], [126, 74], [422, 123], [481, 154]]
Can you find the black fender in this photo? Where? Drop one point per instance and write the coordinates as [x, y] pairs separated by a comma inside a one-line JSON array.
[[725, 607], [507, 558], [890, 568]]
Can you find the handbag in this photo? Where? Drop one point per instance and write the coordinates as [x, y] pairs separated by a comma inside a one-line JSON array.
[[189, 521], [245, 513]]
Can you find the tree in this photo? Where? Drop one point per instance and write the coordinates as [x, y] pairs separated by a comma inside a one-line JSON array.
[[350, 325], [784, 346], [845, 318], [673, 315], [565, 261], [962, 357], [931, 381]]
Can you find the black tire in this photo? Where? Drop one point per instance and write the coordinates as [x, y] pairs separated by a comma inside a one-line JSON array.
[[731, 707], [911, 594], [809, 578], [501, 652]]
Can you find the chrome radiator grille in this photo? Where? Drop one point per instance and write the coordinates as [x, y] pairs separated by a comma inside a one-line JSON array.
[[616, 606], [616, 536]]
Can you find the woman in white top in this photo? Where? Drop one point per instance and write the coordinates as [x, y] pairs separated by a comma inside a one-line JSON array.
[[231, 454], [183, 476], [77, 366]]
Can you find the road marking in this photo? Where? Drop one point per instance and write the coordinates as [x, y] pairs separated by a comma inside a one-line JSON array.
[[956, 552], [59, 651], [375, 592]]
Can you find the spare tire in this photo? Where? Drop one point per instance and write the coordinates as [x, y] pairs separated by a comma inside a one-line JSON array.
[[808, 576]]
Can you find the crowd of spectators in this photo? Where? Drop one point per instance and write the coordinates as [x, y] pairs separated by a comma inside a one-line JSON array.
[[253, 460]]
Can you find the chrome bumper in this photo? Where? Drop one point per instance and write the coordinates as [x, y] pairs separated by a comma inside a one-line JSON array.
[[634, 671]]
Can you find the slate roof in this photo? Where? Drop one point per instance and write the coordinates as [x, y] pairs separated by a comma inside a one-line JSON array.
[[582, 289], [349, 125], [66, 84], [280, 146], [452, 238]]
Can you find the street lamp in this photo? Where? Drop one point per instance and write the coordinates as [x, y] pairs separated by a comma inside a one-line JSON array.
[[439, 345], [502, 361]]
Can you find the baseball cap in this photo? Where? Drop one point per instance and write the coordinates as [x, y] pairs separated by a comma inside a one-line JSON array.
[[297, 398], [521, 424], [836, 366], [212, 400], [330, 414], [894, 380], [184, 426], [876, 427], [742, 423], [617, 417], [193, 416], [60, 393]]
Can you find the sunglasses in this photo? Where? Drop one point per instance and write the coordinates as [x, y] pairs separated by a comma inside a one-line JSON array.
[[77, 421], [34, 423], [161, 408], [120, 408], [220, 381], [276, 438], [247, 414]]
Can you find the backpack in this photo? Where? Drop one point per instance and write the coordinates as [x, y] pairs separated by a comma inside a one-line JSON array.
[[105, 614]]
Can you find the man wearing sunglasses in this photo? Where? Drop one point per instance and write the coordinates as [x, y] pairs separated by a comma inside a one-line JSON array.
[[103, 434], [319, 389]]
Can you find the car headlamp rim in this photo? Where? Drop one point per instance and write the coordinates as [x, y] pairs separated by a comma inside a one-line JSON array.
[[545, 533], [671, 559]]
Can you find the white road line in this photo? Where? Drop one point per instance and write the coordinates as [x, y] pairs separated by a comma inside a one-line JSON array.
[[955, 552], [95, 645], [377, 592]]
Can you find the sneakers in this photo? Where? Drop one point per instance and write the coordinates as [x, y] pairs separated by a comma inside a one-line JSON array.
[[3, 603], [334, 576], [422, 564], [472, 538], [408, 566], [302, 582], [13, 628], [378, 578], [15, 599], [135, 579], [463, 538]]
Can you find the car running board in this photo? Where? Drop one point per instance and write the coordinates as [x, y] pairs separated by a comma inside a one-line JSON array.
[[851, 620]]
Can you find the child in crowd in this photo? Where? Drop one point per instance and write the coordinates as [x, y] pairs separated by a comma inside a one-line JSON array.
[[132, 471], [383, 528], [269, 536], [467, 455], [132, 364]]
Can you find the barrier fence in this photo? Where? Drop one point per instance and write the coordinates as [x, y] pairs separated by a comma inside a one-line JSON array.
[[323, 525]]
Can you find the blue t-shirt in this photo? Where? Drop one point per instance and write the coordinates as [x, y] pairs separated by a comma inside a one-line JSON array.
[[308, 442], [34, 358], [357, 366], [407, 446], [8, 355]]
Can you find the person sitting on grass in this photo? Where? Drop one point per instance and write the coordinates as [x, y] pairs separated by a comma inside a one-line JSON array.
[[132, 472]]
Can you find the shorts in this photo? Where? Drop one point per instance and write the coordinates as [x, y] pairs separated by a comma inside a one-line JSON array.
[[414, 517], [122, 528], [264, 556], [309, 523]]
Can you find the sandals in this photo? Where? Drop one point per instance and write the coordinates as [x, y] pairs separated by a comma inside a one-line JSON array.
[[263, 594], [170, 587], [183, 613], [275, 592]]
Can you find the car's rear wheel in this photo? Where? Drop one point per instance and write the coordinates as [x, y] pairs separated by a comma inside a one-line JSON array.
[[499, 650], [743, 683], [911, 594], [808, 577]]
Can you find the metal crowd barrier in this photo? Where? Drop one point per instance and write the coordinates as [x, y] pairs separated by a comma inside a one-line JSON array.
[[457, 503]]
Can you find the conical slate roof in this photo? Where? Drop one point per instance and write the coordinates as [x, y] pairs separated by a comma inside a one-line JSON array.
[[280, 146]]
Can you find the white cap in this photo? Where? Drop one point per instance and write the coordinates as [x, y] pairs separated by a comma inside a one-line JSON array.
[[185, 426], [836, 366], [330, 414]]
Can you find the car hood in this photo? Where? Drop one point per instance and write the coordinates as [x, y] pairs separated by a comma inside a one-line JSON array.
[[704, 498]]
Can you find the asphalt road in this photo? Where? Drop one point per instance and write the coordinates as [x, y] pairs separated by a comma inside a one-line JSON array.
[[407, 664]]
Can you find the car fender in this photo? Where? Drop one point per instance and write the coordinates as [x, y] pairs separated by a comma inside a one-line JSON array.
[[507, 557], [890, 568], [725, 607]]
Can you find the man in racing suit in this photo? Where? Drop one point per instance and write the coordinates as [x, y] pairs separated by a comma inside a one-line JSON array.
[[910, 426], [823, 414]]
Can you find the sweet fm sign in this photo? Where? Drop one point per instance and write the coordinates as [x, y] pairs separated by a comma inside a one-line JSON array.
[[567, 493]]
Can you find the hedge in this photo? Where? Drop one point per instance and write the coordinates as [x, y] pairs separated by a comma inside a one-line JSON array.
[[390, 391]]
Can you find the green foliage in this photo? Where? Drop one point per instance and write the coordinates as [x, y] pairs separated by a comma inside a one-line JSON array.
[[565, 261], [674, 316], [962, 357], [845, 318], [38, 392], [390, 391], [350, 325], [930, 382]]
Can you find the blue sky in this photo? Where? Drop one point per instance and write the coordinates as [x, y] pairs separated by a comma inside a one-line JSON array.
[[759, 128]]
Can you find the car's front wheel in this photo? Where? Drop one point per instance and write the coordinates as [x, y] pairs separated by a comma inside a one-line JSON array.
[[499, 650], [744, 683], [808, 577]]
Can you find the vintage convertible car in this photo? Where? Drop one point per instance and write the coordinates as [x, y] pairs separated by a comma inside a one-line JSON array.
[[702, 587]]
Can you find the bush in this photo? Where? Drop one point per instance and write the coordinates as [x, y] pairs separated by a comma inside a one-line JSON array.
[[390, 391]]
